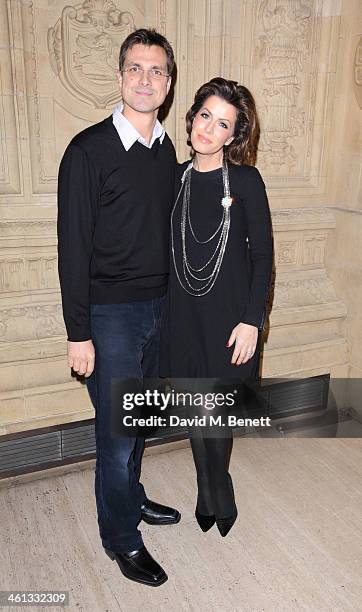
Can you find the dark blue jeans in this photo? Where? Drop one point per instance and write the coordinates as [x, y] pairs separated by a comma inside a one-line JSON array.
[[126, 339]]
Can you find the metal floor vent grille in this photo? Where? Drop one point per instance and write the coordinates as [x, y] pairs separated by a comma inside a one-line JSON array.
[[292, 405], [44, 450], [297, 397]]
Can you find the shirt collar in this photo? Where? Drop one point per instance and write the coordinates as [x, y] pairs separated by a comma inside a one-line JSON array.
[[128, 133]]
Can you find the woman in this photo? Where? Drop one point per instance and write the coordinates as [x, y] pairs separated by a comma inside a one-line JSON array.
[[221, 259]]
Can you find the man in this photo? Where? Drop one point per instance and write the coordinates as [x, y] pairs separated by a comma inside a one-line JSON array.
[[115, 195]]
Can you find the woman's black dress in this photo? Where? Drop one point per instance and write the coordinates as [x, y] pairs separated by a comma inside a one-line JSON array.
[[196, 328]]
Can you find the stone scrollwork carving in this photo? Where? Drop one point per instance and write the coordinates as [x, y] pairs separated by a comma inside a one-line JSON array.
[[358, 73], [30, 322], [287, 252], [283, 43], [28, 273], [314, 249], [304, 292], [162, 16], [28, 228], [84, 46]]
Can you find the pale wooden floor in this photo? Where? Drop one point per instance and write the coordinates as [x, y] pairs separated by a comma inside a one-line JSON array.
[[296, 545]]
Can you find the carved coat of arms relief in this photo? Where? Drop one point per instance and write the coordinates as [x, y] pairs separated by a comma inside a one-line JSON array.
[[84, 46]]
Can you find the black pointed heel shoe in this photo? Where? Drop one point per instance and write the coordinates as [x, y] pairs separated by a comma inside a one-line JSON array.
[[225, 524], [205, 521]]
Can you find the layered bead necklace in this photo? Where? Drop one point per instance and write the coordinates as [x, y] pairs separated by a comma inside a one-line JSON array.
[[189, 272]]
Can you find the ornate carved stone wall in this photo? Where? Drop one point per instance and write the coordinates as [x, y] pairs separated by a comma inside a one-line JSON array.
[[344, 253], [57, 76]]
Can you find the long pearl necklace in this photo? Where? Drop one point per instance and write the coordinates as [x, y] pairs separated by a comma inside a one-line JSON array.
[[223, 230]]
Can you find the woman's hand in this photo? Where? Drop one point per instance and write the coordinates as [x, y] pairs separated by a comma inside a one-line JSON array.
[[245, 337]]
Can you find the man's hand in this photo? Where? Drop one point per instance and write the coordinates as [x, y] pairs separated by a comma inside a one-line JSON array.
[[81, 356], [245, 337]]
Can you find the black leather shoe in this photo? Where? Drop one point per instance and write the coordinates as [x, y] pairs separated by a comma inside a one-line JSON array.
[[157, 514], [205, 521], [138, 565]]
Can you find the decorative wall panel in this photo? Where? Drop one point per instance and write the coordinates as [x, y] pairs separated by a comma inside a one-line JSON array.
[[10, 180], [71, 54], [283, 51], [84, 48]]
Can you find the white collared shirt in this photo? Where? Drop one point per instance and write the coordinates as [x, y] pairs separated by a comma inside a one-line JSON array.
[[128, 133]]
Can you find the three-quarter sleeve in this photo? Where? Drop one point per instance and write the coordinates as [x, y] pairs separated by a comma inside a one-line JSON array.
[[78, 197], [260, 243]]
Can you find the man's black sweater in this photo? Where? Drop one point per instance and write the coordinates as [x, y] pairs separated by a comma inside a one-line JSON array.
[[113, 222]]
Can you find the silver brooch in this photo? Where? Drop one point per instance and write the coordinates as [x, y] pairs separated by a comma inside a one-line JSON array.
[[226, 201]]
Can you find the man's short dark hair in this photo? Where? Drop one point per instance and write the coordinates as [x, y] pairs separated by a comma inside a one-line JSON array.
[[147, 37]]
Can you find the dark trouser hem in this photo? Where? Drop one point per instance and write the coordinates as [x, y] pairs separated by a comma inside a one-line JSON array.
[[124, 544]]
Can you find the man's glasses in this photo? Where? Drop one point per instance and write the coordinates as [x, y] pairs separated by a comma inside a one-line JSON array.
[[153, 73]]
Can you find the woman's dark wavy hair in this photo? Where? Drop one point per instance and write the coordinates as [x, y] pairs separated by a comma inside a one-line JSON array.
[[243, 149]]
